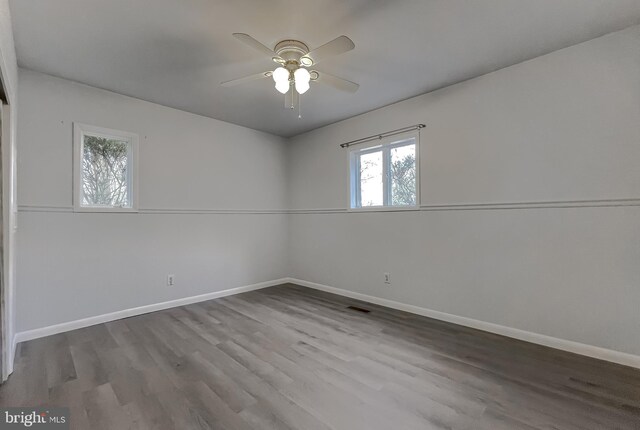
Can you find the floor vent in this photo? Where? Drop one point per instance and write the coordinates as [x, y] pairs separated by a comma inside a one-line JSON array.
[[355, 308]]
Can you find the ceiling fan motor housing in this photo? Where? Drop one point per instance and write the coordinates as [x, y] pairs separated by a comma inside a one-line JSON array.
[[291, 51]]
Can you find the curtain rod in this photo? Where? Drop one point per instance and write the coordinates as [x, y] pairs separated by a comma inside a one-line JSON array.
[[382, 135]]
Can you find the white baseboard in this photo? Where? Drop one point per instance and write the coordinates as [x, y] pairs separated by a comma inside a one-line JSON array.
[[126, 313], [540, 339]]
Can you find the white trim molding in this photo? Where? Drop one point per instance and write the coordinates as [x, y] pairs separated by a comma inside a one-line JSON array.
[[165, 211], [611, 203], [540, 339], [126, 313]]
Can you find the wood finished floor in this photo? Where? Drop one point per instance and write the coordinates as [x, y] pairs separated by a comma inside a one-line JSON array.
[[288, 357]]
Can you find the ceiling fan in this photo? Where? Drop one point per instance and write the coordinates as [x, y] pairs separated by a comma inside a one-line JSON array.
[[294, 57]]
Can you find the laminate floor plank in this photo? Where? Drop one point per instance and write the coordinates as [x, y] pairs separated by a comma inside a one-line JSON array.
[[290, 358]]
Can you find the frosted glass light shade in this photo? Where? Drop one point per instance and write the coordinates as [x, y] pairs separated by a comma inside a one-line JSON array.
[[282, 86], [281, 78], [302, 87], [302, 78], [280, 74]]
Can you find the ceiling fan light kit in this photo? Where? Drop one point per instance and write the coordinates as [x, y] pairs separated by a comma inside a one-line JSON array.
[[294, 57]]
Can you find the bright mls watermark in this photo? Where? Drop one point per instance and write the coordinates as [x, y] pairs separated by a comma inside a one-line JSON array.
[[34, 418]]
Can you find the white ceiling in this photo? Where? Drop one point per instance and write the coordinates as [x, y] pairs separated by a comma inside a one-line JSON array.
[[176, 52]]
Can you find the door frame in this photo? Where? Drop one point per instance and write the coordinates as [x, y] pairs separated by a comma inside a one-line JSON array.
[[8, 226], [5, 345]]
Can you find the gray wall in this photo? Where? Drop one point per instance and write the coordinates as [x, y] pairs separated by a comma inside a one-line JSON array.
[[561, 128], [503, 156], [192, 170]]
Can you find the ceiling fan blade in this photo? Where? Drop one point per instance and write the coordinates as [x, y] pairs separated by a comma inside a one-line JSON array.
[[337, 46], [250, 41], [249, 78], [336, 82]]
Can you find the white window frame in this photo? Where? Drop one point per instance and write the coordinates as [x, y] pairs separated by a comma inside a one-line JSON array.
[[79, 132], [385, 144]]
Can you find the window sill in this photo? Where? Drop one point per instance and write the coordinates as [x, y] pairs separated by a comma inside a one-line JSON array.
[[385, 209], [104, 210]]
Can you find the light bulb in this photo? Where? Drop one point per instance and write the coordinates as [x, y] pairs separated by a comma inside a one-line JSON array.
[[302, 77], [282, 86], [281, 78], [280, 75], [302, 87]]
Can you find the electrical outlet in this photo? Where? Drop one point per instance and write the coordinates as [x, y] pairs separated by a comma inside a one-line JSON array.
[[171, 280], [387, 278]]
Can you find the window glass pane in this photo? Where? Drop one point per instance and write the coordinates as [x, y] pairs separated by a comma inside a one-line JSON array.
[[104, 172], [371, 189], [402, 172]]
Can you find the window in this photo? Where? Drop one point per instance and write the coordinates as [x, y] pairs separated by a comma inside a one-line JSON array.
[[104, 169], [385, 175]]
